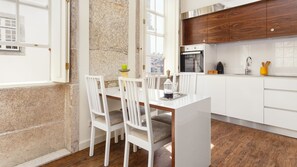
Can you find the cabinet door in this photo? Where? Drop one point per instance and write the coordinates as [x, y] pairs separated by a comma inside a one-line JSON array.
[[248, 22], [244, 98], [218, 27], [214, 87], [194, 30], [281, 18]]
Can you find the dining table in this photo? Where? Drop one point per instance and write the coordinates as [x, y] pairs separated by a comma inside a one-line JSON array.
[[191, 125]]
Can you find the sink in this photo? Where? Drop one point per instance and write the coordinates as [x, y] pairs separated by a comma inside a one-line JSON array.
[[240, 74]]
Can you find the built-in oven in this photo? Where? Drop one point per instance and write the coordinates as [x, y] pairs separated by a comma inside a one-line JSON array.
[[199, 58], [192, 59]]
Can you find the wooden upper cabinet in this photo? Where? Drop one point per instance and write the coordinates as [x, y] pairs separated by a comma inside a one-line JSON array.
[[248, 21], [194, 30], [218, 27], [281, 18]]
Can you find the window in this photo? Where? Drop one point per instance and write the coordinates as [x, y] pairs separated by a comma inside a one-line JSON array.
[[159, 36], [154, 36], [38, 31], [8, 33]]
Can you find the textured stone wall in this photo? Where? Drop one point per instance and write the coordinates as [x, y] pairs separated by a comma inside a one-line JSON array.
[[72, 89], [32, 123], [108, 37]]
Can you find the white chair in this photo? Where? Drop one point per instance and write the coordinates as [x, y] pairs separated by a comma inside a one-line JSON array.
[[101, 117], [153, 81], [149, 135], [162, 116], [187, 83]]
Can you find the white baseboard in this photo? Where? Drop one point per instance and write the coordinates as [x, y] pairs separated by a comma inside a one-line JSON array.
[[45, 159], [86, 143]]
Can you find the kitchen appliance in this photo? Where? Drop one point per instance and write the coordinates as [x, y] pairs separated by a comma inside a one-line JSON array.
[[197, 58], [220, 68]]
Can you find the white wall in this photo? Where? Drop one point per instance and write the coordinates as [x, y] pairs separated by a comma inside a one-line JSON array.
[[172, 36], [282, 52], [188, 5], [84, 115]]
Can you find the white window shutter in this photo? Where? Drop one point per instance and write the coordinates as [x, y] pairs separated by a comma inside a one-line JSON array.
[[60, 40]]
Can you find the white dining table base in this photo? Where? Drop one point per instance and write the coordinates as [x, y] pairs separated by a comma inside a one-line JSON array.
[[191, 126], [192, 135]]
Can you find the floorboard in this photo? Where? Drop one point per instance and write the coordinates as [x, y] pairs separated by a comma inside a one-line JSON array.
[[233, 146]]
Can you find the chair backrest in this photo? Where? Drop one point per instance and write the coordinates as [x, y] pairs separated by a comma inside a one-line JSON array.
[[131, 95], [153, 81], [97, 97], [187, 83]]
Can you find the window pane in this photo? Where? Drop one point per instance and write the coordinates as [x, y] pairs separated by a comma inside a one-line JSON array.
[[160, 25], [155, 65], [33, 66], [8, 8], [7, 21], [160, 6], [34, 21], [151, 27], [150, 45], [150, 4], [160, 46]]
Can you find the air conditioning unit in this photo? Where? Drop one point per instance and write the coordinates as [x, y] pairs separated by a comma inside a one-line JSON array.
[[9, 48]]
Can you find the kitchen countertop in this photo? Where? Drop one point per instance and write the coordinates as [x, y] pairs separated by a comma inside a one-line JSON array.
[[252, 75]]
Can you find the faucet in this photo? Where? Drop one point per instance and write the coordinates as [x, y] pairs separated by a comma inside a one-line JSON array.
[[247, 65]]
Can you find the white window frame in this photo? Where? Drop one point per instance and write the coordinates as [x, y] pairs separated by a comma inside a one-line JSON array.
[[58, 42], [24, 44], [171, 40], [143, 32]]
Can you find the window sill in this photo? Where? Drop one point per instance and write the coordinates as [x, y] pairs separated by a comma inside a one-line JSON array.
[[28, 84]]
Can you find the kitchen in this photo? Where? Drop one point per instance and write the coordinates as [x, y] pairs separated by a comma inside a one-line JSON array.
[[238, 36]]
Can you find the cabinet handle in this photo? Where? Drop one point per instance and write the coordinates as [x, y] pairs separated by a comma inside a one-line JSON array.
[[272, 29], [203, 40]]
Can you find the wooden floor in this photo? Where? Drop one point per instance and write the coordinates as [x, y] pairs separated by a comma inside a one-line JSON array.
[[233, 146]]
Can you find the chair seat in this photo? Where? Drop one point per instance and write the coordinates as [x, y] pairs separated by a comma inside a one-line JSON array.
[[116, 117], [164, 118], [160, 131]]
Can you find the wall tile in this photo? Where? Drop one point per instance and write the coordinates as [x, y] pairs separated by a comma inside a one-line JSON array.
[[282, 52]]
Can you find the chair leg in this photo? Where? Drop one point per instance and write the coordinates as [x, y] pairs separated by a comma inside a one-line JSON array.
[[116, 139], [107, 147], [92, 140], [122, 133], [151, 158], [134, 148], [126, 155]]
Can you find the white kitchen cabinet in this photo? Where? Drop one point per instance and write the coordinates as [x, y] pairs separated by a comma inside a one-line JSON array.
[[288, 84], [201, 85], [280, 118], [244, 98], [215, 87], [280, 107], [280, 99]]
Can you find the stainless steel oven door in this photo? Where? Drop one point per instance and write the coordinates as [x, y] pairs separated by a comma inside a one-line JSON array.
[[192, 61]]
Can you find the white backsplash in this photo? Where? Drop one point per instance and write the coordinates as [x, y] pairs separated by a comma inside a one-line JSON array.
[[282, 52]]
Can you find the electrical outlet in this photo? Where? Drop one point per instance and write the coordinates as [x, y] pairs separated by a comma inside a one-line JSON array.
[[90, 123]]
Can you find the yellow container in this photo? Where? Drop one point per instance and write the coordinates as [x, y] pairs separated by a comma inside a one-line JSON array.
[[124, 74], [264, 71]]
